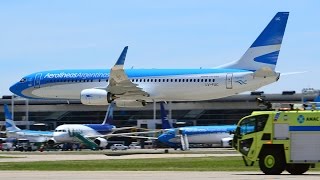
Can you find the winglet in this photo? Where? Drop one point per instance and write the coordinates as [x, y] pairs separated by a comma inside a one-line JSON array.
[[164, 117], [122, 57]]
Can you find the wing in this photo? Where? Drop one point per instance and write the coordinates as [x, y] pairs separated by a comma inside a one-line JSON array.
[[119, 83], [132, 135]]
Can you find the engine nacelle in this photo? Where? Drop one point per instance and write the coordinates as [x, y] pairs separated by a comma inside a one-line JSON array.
[[94, 97], [226, 142], [129, 103], [101, 142], [51, 142]]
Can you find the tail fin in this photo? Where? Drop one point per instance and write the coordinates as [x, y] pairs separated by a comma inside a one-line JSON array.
[[109, 115], [264, 51], [317, 99], [10, 125], [164, 117]]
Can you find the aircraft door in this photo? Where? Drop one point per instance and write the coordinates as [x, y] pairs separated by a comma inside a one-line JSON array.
[[229, 80], [37, 80]]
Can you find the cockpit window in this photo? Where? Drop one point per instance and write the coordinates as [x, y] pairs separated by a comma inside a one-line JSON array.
[[23, 80]]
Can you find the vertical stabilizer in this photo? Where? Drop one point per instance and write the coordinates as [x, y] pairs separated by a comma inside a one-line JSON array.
[[164, 117], [108, 119], [10, 125], [264, 51]]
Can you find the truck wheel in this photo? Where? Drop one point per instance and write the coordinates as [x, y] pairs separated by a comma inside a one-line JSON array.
[[272, 162], [297, 169]]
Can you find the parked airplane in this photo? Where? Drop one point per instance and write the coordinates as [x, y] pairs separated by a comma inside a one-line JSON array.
[[66, 133], [91, 134], [13, 131], [183, 136], [136, 87]]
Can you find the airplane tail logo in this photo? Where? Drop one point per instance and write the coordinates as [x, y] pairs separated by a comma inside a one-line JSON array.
[[109, 115], [265, 49], [164, 117], [10, 125]]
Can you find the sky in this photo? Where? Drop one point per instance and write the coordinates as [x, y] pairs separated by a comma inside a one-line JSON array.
[[88, 34]]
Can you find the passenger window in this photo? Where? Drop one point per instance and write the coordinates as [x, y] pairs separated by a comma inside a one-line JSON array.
[[179, 80], [205, 80], [209, 80]]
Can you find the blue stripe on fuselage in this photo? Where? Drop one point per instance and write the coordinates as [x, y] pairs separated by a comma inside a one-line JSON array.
[[195, 130], [104, 73], [102, 129], [31, 132]]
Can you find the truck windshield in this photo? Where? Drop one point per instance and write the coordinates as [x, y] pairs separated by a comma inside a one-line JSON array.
[[252, 124]]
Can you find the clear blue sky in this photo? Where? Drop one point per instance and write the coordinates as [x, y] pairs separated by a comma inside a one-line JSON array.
[[75, 34]]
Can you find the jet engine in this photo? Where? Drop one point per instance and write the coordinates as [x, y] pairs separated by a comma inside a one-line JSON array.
[[94, 97], [101, 142], [226, 142], [51, 142]]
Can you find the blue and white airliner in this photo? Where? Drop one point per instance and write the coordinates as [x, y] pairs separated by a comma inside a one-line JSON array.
[[136, 87], [183, 136], [13, 131], [65, 133], [98, 133]]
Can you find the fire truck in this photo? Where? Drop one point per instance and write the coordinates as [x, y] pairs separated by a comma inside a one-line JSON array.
[[280, 140]]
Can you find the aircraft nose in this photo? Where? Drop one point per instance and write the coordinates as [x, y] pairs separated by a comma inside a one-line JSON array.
[[162, 138], [14, 88]]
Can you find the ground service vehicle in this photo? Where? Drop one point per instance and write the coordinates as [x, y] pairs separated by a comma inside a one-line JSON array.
[[280, 140]]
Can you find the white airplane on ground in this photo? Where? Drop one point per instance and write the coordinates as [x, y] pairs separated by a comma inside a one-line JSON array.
[[13, 131], [94, 135], [66, 133], [136, 87]]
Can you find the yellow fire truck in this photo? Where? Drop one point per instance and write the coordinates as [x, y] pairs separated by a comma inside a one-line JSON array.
[[280, 140]]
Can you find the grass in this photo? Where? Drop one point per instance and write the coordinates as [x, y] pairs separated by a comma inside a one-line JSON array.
[[161, 164], [7, 157]]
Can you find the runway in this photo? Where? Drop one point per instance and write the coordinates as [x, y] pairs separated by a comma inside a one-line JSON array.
[[146, 175]]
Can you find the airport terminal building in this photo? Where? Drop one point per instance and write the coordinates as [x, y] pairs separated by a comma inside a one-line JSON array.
[[47, 114]]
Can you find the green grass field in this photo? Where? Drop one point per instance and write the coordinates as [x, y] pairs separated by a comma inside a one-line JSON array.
[[172, 164]]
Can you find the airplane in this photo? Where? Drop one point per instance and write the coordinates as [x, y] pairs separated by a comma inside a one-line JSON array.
[[183, 136], [66, 133], [137, 87], [92, 133], [13, 131]]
